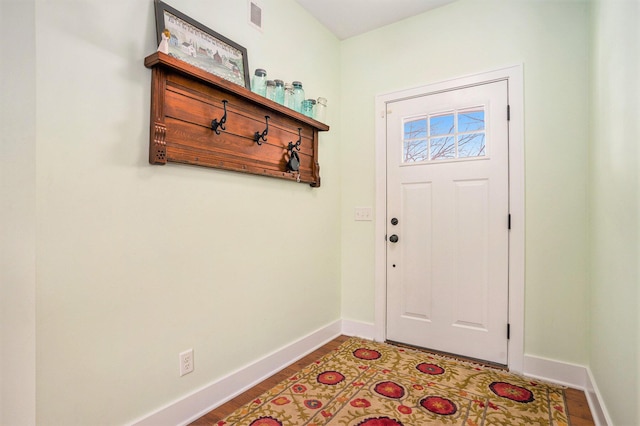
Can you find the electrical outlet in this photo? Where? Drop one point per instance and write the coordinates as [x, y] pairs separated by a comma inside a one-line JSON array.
[[186, 362], [363, 213]]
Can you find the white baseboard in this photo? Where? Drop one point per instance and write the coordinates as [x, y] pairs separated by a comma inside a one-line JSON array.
[[570, 375], [562, 373], [596, 404], [200, 402], [352, 328]]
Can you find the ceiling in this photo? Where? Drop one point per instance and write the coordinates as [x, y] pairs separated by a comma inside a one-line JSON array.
[[347, 18]]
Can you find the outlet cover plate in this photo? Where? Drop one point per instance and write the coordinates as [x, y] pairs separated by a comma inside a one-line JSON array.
[[186, 362]]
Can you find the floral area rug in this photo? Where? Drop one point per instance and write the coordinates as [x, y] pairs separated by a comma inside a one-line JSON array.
[[363, 383]]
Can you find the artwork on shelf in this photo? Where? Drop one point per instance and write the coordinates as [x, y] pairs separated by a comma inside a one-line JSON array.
[[200, 46]]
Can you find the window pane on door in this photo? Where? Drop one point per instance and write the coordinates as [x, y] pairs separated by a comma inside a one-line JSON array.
[[441, 125], [443, 148], [415, 151], [414, 129], [414, 141], [471, 145], [471, 120]]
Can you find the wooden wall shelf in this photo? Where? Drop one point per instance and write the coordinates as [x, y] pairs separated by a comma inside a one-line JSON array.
[[185, 100]]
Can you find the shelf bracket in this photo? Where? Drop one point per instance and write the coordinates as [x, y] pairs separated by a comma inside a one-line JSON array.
[[158, 151]]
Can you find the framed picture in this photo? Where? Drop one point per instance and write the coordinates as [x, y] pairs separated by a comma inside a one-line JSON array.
[[200, 46]]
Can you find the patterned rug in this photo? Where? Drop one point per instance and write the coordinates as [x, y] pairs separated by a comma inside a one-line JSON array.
[[363, 383]]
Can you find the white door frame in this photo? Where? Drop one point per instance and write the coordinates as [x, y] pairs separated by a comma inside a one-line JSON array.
[[514, 77]]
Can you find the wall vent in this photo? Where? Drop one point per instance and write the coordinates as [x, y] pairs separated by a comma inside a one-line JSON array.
[[255, 14]]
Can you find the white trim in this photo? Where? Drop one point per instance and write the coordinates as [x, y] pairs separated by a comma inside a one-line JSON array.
[[561, 373], [193, 406], [599, 411], [570, 375], [380, 223], [365, 330], [514, 77]]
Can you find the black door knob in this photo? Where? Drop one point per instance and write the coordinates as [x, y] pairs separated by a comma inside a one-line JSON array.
[[393, 238], [394, 221]]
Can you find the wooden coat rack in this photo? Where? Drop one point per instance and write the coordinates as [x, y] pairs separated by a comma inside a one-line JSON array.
[[201, 119]]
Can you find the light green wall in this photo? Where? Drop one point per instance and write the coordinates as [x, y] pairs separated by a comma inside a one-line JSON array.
[[615, 194], [551, 40], [129, 264], [136, 263], [17, 214]]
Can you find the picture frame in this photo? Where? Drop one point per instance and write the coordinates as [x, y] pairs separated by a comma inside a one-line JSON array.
[[194, 43]]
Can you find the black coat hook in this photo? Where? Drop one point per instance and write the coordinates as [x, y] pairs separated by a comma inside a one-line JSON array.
[[258, 137], [297, 144], [293, 164], [215, 124]]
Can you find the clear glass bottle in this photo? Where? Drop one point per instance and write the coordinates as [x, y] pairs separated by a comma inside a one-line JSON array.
[[307, 107], [288, 95], [320, 112], [298, 96], [271, 90], [279, 96], [259, 82]]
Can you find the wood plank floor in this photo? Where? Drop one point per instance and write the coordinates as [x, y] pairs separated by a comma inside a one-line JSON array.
[[579, 413]]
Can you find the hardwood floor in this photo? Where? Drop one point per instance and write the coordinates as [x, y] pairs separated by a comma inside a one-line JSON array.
[[577, 406]]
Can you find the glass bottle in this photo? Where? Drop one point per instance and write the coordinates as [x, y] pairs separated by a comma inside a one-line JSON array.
[[271, 90], [308, 106], [288, 95], [298, 96], [259, 82], [320, 112], [279, 92]]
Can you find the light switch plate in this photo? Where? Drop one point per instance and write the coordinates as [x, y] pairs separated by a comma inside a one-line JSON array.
[[363, 213]]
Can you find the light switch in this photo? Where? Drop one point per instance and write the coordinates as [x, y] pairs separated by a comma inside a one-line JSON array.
[[363, 213]]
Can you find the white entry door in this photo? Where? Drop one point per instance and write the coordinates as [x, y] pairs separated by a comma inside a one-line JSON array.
[[448, 221]]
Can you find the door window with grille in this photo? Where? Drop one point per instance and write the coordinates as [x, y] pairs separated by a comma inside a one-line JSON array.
[[446, 135]]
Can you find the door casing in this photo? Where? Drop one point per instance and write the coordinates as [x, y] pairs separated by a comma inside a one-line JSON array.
[[514, 77]]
